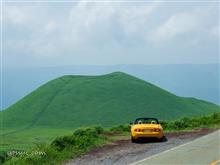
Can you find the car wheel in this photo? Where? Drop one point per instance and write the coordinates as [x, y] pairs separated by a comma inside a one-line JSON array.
[[133, 140], [163, 139]]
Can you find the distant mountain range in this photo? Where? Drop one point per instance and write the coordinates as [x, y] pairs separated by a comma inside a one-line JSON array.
[[200, 81], [107, 100]]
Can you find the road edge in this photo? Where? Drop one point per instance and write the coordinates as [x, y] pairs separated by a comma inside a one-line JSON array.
[[135, 163]]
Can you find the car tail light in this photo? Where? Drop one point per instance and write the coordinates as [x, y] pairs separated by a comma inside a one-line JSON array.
[[156, 130], [137, 130]]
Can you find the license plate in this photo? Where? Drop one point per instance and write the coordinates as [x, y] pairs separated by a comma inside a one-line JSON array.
[[146, 130]]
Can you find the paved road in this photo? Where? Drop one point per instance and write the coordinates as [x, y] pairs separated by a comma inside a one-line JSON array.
[[123, 152], [204, 150]]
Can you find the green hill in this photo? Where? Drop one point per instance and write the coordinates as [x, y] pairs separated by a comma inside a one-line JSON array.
[[74, 101]]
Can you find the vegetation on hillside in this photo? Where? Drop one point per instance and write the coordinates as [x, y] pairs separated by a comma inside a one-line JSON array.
[[75, 101], [84, 139], [208, 121]]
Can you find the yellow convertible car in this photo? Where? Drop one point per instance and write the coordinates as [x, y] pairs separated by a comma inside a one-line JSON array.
[[146, 128]]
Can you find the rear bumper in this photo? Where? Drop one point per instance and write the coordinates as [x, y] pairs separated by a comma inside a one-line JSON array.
[[137, 135]]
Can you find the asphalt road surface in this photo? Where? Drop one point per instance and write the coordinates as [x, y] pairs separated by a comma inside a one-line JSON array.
[[204, 150], [123, 152]]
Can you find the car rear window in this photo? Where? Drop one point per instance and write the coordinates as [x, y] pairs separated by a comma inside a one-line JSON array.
[[146, 121]]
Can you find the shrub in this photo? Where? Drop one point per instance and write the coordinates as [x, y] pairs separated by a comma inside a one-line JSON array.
[[196, 122], [215, 115], [90, 131], [99, 129], [120, 128], [82, 138], [164, 124], [62, 142], [3, 157], [180, 124]]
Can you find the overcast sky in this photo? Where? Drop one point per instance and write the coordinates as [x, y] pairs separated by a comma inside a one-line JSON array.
[[104, 33]]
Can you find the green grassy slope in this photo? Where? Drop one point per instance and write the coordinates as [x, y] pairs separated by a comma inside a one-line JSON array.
[[74, 101]]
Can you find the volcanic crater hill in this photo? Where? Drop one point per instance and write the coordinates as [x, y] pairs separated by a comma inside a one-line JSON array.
[[72, 101]]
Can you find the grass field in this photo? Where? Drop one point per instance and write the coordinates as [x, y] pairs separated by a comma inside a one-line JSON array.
[[28, 138]]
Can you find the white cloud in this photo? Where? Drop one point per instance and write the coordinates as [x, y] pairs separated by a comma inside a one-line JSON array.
[[134, 19], [182, 23], [51, 26], [106, 30], [177, 24], [17, 15], [215, 32], [99, 22]]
